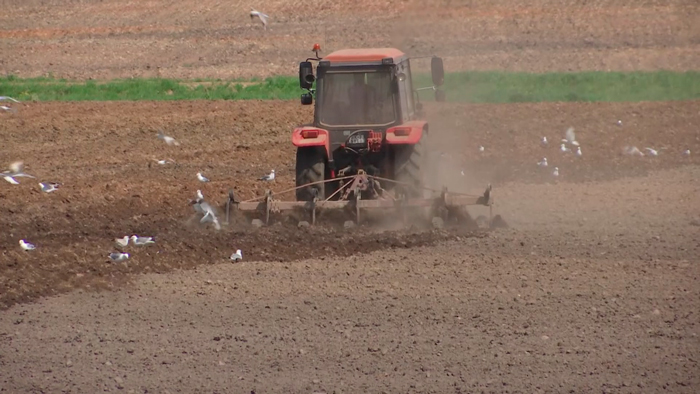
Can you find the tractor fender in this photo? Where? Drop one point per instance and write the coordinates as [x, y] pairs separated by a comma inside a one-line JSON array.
[[321, 139], [407, 133]]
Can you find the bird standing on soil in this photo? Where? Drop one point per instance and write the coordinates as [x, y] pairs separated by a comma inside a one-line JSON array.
[[578, 152], [481, 149], [263, 17], [544, 141], [268, 177], [686, 152], [556, 171], [122, 242], [140, 241], [200, 196], [564, 149], [168, 140], [202, 178], [48, 187], [118, 256], [237, 256], [543, 162], [26, 246]]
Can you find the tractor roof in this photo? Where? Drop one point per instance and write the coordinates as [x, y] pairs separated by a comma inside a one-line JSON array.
[[364, 55]]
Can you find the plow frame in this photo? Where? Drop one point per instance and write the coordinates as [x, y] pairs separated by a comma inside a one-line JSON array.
[[354, 185]]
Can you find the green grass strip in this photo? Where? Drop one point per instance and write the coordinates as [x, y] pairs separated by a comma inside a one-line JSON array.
[[472, 87]]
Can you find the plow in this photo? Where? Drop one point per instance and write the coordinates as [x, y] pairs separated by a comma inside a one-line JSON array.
[[363, 193]]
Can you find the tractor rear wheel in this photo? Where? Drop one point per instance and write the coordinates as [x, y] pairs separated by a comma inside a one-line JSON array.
[[409, 166], [310, 167]]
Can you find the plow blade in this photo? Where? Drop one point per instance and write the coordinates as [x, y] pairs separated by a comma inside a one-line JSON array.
[[440, 206]]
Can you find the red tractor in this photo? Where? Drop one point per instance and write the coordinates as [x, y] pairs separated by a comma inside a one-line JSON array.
[[367, 119]]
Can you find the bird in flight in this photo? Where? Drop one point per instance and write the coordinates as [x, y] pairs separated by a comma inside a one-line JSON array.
[[260, 15]]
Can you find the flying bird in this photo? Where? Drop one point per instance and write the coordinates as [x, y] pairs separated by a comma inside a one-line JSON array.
[[570, 137], [8, 108], [16, 170], [48, 187], [164, 161], [140, 241], [632, 150], [122, 242], [209, 214], [4, 98], [118, 256], [237, 256], [268, 177], [202, 178], [26, 246], [652, 152], [543, 162], [263, 17], [168, 140]]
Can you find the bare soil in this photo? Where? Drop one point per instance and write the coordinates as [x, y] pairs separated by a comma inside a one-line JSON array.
[[217, 39], [592, 288]]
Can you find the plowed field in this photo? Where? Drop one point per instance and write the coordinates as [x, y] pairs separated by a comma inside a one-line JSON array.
[[592, 288]]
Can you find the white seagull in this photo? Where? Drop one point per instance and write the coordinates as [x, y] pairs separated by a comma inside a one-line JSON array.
[[564, 149], [652, 152], [268, 177], [168, 140], [543, 162], [263, 17], [7, 108], [3, 98], [164, 161], [142, 240], [118, 256], [16, 171], [556, 171], [578, 152], [48, 187], [237, 256], [122, 242], [481, 148], [686, 152], [544, 141], [570, 137], [202, 178], [209, 214], [26, 246], [200, 196]]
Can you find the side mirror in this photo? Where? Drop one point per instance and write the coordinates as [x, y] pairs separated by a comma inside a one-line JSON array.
[[438, 71], [440, 96], [307, 99], [306, 75]]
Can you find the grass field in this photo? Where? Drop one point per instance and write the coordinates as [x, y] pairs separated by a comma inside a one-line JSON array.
[[474, 87]]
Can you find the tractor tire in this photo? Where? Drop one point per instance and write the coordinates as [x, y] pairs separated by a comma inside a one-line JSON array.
[[410, 165], [310, 167]]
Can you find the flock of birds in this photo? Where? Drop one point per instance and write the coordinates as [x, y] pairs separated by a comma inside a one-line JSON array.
[[570, 144], [209, 215]]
